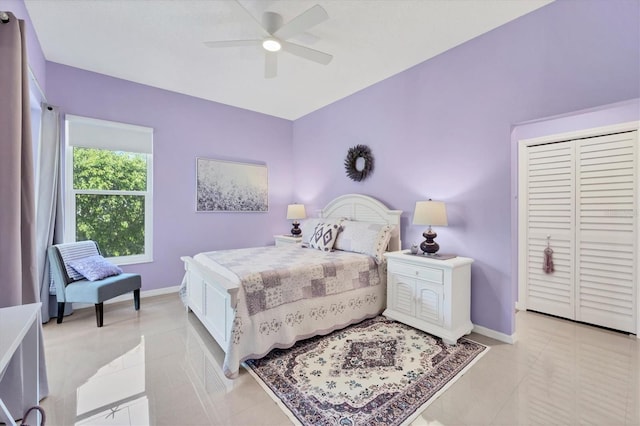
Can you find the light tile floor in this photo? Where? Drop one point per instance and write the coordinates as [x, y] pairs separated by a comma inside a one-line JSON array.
[[159, 366]]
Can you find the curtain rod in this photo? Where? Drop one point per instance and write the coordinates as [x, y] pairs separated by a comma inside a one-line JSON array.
[[4, 17], [32, 76]]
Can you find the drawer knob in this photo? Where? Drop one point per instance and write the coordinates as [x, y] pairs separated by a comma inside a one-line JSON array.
[[417, 273]]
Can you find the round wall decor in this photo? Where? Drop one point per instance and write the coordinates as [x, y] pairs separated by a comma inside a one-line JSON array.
[[359, 162]]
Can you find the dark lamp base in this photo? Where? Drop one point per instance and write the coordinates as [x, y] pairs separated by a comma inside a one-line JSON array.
[[429, 246], [296, 231]]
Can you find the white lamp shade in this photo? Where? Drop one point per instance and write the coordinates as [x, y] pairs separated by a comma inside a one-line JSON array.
[[296, 211], [432, 213]]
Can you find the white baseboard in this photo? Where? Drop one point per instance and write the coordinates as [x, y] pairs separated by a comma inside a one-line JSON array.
[[129, 296], [506, 338]]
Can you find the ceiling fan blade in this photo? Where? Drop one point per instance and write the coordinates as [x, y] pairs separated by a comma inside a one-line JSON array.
[[232, 43], [270, 64], [307, 53], [302, 22], [265, 33]]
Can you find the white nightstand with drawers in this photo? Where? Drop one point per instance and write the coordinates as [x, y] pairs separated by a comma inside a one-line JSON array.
[[429, 294], [285, 240]]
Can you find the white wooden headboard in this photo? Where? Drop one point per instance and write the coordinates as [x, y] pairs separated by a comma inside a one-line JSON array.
[[365, 209]]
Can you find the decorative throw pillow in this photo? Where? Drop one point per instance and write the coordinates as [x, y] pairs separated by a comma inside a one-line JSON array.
[[95, 268], [364, 237], [76, 251], [324, 236]]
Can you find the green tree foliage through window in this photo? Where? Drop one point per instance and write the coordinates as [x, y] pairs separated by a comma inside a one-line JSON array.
[[109, 170], [108, 208]]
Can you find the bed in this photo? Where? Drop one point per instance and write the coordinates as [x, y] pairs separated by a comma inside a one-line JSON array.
[[251, 311]]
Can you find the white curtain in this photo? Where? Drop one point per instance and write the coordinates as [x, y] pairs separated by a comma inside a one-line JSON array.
[[48, 200], [18, 269]]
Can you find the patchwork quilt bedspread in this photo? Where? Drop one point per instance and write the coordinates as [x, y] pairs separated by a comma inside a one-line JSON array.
[[290, 293], [273, 276]]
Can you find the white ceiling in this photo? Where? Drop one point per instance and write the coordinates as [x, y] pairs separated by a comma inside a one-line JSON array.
[[160, 43]]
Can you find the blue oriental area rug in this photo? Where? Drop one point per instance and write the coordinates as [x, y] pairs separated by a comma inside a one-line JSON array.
[[376, 372]]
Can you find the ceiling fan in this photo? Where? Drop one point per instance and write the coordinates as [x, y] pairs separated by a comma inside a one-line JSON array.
[[275, 34]]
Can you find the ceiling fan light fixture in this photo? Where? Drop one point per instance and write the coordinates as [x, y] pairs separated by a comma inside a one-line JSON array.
[[275, 35], [271, 45]]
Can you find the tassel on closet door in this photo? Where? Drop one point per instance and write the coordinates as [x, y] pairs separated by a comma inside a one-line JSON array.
[[547, 264]]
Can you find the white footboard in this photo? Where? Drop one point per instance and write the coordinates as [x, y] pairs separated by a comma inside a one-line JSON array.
[[212, 298]]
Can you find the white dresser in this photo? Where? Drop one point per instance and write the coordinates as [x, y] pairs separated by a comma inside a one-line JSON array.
[[429, 294]]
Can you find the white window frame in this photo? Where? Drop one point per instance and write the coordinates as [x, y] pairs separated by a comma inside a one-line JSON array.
[[130, 138]]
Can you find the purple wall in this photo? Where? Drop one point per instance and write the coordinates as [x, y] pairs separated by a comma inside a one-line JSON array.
[[442, 129], [185, 128]]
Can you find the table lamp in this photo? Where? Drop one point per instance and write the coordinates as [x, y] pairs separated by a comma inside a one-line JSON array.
[[295, 212], [430, 213]]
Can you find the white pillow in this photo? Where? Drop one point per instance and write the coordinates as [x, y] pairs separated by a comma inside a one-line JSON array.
[[324, 236], [364, 237], [308, 227]]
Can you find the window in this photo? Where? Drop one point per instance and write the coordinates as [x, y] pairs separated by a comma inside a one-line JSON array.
[[109, 198]]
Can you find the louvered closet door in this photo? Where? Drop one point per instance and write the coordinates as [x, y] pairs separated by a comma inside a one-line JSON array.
[[606, 236], [550, 212]]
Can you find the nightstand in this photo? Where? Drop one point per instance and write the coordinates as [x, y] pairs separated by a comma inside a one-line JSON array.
[[429, 294], [285, 240]]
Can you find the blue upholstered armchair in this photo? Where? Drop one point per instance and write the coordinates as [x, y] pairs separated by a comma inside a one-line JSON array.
[[71, 286]]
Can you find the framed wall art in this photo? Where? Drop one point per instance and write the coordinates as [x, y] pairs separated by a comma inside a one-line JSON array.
[[228, 186]]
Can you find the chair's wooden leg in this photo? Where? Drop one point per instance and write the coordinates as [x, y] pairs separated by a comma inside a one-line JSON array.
[[60, 312], [136, 299], [99, 314]]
